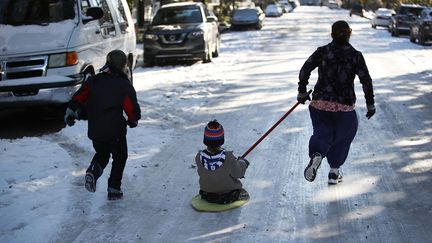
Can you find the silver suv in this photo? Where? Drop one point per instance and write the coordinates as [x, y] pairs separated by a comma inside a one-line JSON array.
[[182, 31]]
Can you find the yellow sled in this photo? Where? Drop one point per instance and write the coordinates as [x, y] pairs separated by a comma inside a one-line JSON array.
[[204, 206]]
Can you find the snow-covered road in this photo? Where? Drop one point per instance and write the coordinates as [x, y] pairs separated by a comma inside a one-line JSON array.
[[386, 195]]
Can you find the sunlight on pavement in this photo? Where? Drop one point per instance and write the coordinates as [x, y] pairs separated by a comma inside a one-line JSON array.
[[413, 141], [322, 230], [421, 166], [348, 189], [220, 232], [36, 185], [78, 173], [389, 197], [418, 106], [373, 158], [364, 213], [403, 98], [260, 183]]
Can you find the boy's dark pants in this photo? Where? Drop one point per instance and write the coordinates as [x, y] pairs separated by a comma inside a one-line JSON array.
[[118, 149], [333, 133]]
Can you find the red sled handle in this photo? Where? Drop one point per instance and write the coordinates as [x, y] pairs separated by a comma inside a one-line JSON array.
[[273, 127]]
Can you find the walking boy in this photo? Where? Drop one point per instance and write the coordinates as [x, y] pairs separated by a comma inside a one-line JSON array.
[[107, 95], [218, 169]]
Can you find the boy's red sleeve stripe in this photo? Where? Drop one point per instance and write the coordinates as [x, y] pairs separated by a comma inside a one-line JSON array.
[[129, 108], [82, 94]]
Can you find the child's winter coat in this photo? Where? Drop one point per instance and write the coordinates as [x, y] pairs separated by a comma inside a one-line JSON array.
[[220, 172]]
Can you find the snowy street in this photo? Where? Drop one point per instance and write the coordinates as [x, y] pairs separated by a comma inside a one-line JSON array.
[[386, 195]]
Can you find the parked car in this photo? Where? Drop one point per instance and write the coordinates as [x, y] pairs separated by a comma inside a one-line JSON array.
[[357, 9], [48, 48], [382, 17], [248, 18], [406, 15], [182, 31], [311, 2], [286, 6], [273, 10], [294, 3], [332, 4], [421, 29]]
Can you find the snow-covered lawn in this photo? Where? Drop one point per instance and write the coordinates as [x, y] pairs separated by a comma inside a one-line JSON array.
[[247, 88]]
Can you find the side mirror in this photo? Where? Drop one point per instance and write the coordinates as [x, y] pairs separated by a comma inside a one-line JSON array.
[[212, 19], [93, 13]]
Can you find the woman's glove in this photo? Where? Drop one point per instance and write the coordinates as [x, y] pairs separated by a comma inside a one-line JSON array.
[[303, 97], [371, 111]]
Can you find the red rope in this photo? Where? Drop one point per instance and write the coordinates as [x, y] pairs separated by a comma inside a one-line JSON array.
[[271, 129]]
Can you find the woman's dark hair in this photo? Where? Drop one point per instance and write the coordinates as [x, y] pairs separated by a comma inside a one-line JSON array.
[[341, 32]]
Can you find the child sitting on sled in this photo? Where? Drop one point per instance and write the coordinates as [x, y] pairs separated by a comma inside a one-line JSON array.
[[218, 169]]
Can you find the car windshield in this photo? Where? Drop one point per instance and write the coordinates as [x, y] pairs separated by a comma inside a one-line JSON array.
[[411, 10], [245, 13], [168, 16], [384, 12], [40, 12], [271, 7]]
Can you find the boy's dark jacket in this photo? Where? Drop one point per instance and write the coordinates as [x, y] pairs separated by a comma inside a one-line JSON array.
[[106, 96], [224, 175]]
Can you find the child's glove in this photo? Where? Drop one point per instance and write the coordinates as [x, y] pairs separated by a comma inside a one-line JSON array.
[[132, 124], [245, 160], [70, 116]]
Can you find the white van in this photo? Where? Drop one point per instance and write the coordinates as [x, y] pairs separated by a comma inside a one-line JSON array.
[[48, 48]]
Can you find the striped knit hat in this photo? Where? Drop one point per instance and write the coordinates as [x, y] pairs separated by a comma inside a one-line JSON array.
[[214, 134]]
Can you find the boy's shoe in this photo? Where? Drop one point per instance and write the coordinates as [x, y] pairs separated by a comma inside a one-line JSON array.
[[312, 168], [334, 178], [114, 194], [90, 182]]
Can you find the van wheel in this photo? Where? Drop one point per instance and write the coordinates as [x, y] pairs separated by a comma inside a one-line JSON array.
[[209, 56], [130, 68], [216, 52], [88, 72], [421, 40], [412, 38]]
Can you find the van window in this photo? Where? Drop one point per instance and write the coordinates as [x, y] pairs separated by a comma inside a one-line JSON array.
[[40, 12], [121, 15], [84, 6], [106, 22]]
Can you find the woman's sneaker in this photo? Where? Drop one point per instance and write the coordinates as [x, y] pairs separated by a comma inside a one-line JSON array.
[[90, 182], [334, 177], [114, 194], [313, 166]]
